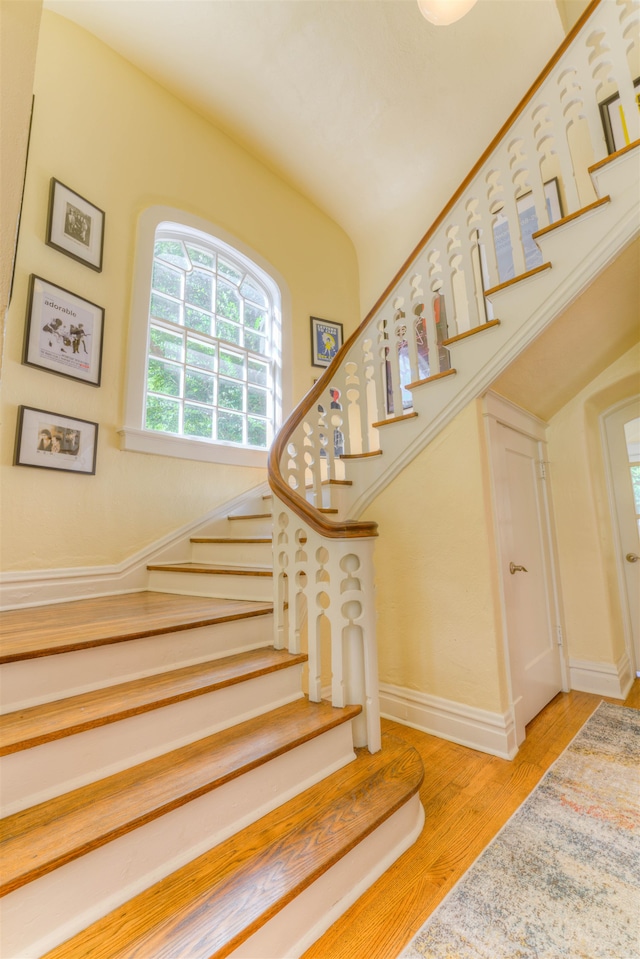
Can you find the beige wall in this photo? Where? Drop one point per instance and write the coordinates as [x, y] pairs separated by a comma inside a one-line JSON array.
[[570, 11], [439, 622], [590, 591], [109, 132], [439, 625], [19, 24]]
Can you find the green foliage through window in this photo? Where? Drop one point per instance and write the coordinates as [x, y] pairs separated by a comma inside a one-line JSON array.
[[197, 386]]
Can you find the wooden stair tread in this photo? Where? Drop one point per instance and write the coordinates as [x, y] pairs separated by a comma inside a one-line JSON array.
[[394, 419], [249, 516], [359, 456], [231, 539], [571, 216], [431, 379], [36, 841], [64, 717], [83, 624], [614, 156], [517, 279], [208, 907], [472, 332], [211, 569]]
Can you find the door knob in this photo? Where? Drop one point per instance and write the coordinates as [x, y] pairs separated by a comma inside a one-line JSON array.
[[632, 558], [516, 569]]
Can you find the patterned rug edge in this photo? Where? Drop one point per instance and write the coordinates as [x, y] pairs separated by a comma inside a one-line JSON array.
[[415, 948]]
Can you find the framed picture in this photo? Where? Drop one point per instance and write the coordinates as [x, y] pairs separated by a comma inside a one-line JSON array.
[[63, 332], [529, 220], [326, 340], [614, 122], [55, 442], [75, 226]]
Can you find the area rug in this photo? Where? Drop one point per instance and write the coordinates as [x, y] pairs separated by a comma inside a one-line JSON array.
[[561, 880]]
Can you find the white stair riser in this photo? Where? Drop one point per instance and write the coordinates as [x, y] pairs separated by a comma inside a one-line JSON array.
[[47, 678], [218, 586], [258, 555], [246, 527], [296, 927], [49, 910], [36, 774]]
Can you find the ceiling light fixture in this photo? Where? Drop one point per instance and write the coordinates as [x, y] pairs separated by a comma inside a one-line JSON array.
[[443, 12]]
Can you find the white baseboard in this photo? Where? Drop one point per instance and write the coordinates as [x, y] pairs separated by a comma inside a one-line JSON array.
[[44, 586], [493, 733], [603, 679]]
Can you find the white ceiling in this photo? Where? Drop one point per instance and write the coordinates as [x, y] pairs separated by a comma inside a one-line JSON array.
[[367, 109]]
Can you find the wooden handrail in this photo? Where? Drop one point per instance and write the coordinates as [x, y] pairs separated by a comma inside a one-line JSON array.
[[356, 528]]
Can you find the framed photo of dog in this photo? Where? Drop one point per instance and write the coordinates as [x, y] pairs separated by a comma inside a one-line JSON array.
[[63, 332]]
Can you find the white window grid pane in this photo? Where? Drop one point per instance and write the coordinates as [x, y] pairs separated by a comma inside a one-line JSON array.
[[240, 375]]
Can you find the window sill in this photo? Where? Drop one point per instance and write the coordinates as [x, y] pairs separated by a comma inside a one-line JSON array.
[[160, 444]]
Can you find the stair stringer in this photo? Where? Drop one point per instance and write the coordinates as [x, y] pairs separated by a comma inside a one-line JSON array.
[[578, 251]]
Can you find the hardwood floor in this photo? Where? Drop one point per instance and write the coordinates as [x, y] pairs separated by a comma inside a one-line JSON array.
[[467, 796]]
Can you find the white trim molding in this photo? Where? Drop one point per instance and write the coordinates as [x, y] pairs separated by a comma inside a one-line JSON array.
[[183, 447], [41, 587], [603, 679], [488, 732]]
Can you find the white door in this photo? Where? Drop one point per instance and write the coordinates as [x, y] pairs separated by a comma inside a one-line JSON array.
[[527, 574], [622, 433]]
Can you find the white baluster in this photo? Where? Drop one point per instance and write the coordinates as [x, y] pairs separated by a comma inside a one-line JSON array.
[[357, 429]]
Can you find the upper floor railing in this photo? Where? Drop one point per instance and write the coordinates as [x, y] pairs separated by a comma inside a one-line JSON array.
[[583, 107]]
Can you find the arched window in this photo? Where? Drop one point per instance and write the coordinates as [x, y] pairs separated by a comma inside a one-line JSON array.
[[212, 350]]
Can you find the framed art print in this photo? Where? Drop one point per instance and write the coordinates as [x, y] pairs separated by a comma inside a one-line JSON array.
[[326, 340], [75, 226], [63, 332], [53, 441], [614, 122]]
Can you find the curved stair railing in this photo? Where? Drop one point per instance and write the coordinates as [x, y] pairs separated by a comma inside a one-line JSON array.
[[327, 458]]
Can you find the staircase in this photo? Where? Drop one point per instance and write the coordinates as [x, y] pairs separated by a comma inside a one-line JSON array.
[[498, 265], [168, 790]]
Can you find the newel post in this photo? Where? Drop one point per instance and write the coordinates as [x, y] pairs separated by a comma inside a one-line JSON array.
[[324, 595]]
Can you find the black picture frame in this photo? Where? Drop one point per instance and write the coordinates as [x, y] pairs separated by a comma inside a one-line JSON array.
[[47, 440], [63, 332], [326, 340], [612, 121], [75, 226]]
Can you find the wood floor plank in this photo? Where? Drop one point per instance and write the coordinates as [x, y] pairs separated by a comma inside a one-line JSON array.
[[36, 841], [206, 908], [64, 717], [381, 923], [46, 630]]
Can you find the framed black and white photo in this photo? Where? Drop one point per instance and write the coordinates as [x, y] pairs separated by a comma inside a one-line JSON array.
[[326, 340], [614, 122], [52, 441], [63, 332], [75, 226]]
